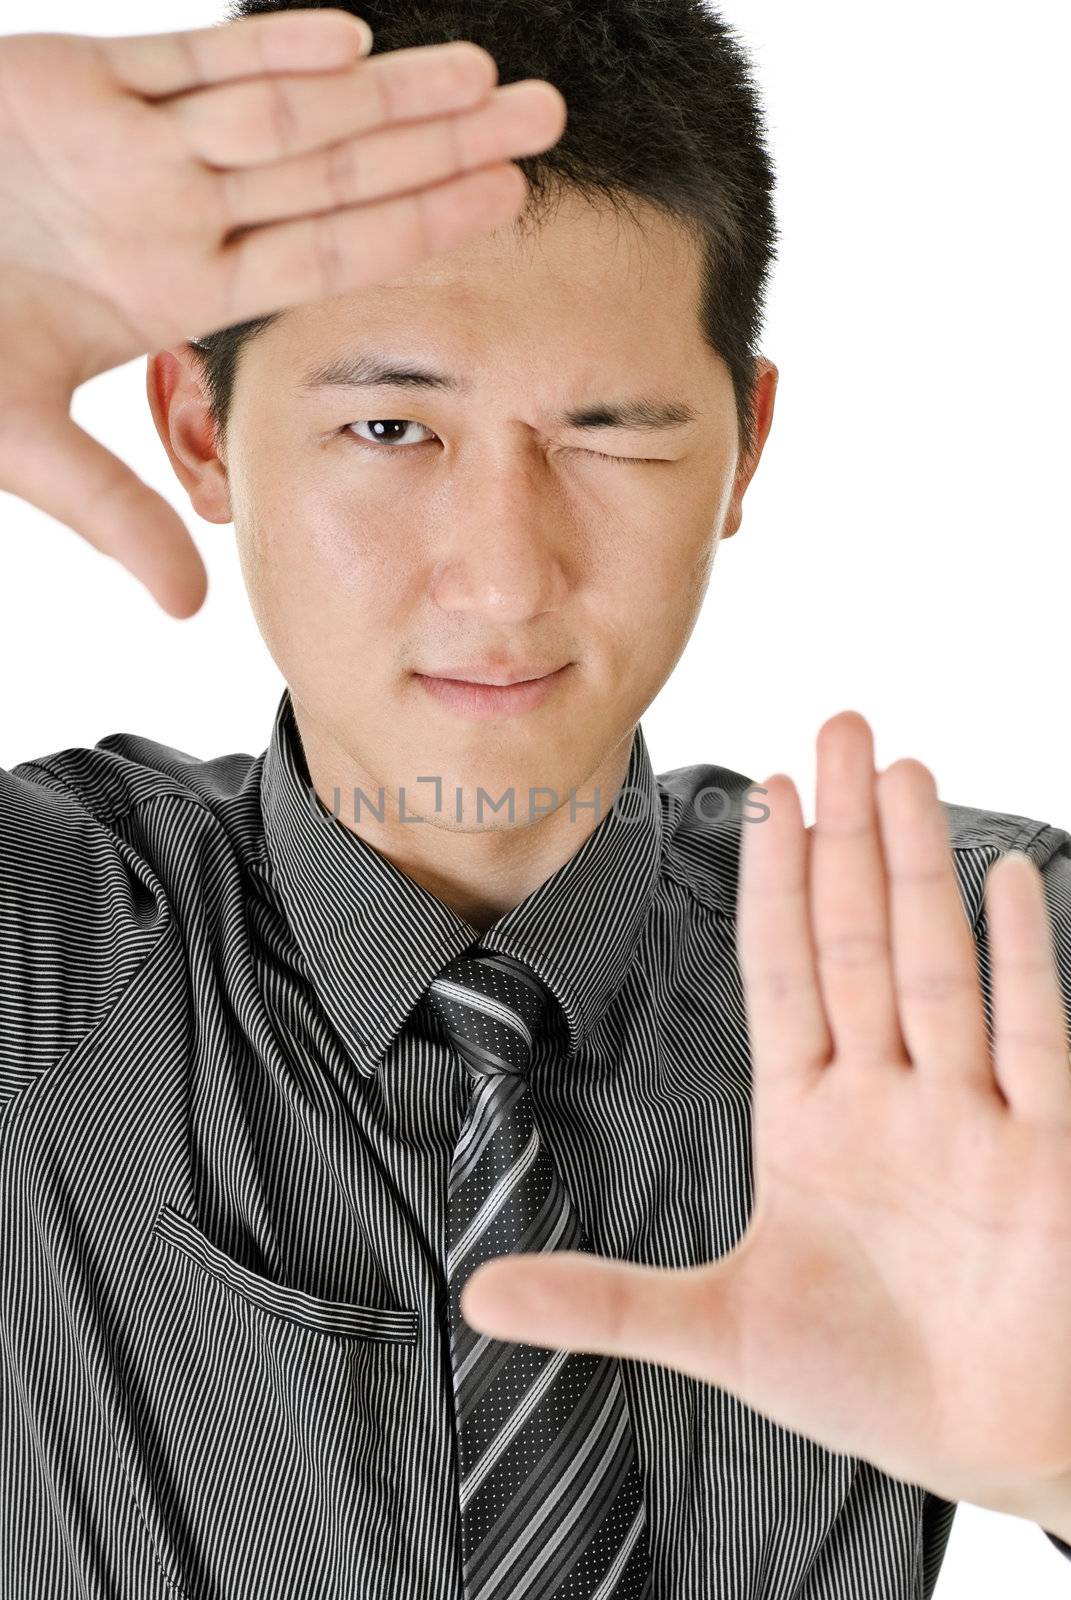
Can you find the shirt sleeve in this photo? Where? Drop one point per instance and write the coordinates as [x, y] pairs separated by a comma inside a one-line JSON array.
[[73, 924], [1054, 863], [1056, 875]]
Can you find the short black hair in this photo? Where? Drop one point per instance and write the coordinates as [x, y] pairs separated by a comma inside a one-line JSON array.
[[660, 105]]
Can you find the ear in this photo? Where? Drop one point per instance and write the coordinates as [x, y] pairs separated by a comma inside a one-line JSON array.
[[764, 393], [183, 418]]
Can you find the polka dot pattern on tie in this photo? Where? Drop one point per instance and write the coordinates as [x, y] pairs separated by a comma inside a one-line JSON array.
[[551, 1495]]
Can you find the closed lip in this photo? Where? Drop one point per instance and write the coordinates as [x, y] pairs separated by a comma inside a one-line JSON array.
[[492, 677]]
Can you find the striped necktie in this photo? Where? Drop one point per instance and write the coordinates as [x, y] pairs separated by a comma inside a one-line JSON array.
[[551, 1496]]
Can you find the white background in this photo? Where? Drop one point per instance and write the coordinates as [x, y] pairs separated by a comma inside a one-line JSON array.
[[905, 548]]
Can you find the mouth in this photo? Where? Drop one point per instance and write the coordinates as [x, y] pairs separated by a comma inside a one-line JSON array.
[[473, 698], [491, 677]]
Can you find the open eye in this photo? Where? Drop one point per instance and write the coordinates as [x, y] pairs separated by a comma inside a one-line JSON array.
[[387, 439]]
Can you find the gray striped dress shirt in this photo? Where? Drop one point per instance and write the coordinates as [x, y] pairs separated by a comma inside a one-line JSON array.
[[225, 1135]]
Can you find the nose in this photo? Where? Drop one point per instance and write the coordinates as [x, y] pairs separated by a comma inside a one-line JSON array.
[[503, 553]]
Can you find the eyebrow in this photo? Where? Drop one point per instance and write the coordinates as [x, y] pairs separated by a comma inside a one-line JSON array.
[[364, 370]]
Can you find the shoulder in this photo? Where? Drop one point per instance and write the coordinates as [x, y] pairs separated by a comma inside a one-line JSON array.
[[125, 770], [705, 808], [103, 849], [978, 837], [138, 791]]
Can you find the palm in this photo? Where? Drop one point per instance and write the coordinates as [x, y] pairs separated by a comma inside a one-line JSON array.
[[895, 1295], [903, 1291], [74, 205], [159, 186]]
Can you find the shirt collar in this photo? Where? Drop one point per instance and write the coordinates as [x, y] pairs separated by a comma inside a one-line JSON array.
[[373, 939]]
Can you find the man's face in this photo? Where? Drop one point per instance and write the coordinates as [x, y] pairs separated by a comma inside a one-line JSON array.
[[399, 529]]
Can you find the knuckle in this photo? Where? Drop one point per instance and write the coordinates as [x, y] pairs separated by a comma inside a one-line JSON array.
[[452, 133], [187, 48], [840, 829], [341, 173], [861, 949], [776, 983], [282, 117], [229, 189], [328, 255], [232, 259], [615, 1305], [920, 878], [932, 988], [198, 203], [1026, 1038], [263, 37], [1029, 966], [109, 494], [36, 52], [375, 82], [419, 211]]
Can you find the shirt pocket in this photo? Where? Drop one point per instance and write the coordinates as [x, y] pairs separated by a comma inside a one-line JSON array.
[[306, 1311], [259, 1425]]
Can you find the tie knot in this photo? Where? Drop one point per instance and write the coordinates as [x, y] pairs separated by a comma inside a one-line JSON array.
[[491, 1006]]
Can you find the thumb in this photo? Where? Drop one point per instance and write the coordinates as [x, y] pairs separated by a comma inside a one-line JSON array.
[[49, 461], [567, 1299]]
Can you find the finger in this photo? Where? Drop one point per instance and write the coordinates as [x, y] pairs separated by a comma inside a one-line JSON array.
[[849, 902], [248, 124], [519, 119], [935, 962], [160, 64], [788, 1034], [316, 258], [1031, 1032], [48, 460], [568, 1300]]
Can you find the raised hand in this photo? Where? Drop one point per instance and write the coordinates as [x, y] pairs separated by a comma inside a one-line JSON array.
[[903, 1291], [160, 187]]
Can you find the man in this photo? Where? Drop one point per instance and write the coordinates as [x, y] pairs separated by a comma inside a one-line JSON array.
[[294, 1046]]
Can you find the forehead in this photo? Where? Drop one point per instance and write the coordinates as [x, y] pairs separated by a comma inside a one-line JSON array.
[[576, 274]]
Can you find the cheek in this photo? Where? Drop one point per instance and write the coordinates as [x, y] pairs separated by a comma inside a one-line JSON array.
[[325, 558], [350, 551], [314, 588], [698, 574], [676, 580]]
